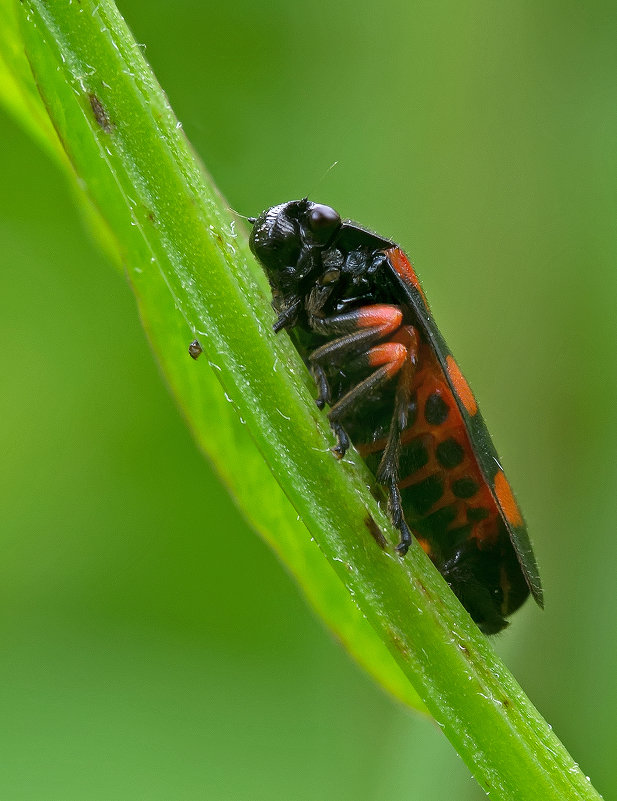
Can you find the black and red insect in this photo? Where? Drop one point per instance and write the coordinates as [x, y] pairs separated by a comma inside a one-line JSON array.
[[358, 316]]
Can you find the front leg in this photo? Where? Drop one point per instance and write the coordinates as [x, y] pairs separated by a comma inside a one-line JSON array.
[[288, 314]]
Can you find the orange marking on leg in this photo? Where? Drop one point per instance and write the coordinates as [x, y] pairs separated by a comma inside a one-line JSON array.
[[506, 500], [381, 315], [408, 336], [461, 386], [403, 267], [391, 354]]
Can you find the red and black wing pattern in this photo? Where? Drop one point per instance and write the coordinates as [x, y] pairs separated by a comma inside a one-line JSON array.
[[482, 446]]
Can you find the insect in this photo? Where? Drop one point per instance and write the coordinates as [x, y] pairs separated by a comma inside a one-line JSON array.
[[359, 318]]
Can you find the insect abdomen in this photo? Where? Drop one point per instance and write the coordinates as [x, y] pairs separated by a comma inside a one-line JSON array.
[[444, 495]]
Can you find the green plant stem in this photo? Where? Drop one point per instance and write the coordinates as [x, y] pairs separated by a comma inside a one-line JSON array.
[[191, 273]]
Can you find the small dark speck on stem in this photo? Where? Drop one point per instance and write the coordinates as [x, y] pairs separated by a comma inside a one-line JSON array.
[[375, 532], [195, 349], [398, 643], [100, 115], [424, 589]]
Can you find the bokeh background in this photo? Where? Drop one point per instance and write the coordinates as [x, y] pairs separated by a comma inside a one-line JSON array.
[[152, 647]]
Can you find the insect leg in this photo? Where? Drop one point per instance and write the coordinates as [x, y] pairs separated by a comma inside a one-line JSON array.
[[360, 328], [287, 315], [388, 472], [380, 316], [398, 518], [389, 358]]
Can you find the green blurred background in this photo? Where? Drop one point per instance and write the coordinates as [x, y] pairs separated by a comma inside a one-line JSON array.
[[152, 647]]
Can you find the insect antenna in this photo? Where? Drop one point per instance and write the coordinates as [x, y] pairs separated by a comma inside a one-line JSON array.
[[323, 177], [251, 220]]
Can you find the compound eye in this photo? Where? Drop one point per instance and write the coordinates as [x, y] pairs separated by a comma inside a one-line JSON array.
[[323, 221]]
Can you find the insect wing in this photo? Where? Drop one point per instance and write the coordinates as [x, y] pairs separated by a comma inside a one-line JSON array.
[[406, 282], [351, 235]]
